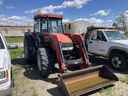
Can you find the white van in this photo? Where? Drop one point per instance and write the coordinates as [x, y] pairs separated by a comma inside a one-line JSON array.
[[5, 68]]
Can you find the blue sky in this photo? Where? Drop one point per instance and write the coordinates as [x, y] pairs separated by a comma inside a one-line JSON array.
[[71, 9]]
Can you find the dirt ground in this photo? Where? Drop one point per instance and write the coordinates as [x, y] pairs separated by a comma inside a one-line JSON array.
[[29, 83]]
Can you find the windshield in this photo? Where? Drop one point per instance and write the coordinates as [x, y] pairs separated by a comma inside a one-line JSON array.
[[115, 35], [56, 26], [1, 44], [50, 25]]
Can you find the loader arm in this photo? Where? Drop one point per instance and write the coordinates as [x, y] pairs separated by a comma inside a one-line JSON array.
[[66, 47], [78, 40]]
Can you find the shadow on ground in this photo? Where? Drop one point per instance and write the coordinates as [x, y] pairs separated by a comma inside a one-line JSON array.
[[18, 61], [30, 72], [55, 92]]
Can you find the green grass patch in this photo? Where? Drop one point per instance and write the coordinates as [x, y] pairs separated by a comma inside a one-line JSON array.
[[15, 53], [124, 79], [106, 91], [14, 39]]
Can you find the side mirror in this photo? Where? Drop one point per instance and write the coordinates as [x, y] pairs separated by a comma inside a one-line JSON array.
[[12, 46]]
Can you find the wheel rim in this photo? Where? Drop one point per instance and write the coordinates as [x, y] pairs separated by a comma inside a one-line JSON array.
[[116, 62]]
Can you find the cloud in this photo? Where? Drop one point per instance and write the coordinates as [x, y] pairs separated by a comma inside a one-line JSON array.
[[16, 17], [101, 13], [15, 20], [66, 20], [125, 13], [91, 20], [75, 3], [95, 21], [65, 4]]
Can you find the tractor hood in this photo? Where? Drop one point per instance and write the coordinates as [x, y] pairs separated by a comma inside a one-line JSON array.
[[61, 38]]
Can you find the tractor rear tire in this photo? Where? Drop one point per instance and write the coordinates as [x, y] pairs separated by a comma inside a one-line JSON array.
[[28, 49], [43, 62]]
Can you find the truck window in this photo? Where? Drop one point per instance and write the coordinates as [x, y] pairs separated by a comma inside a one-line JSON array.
[[100, 36], [115, 35], [93, 36]]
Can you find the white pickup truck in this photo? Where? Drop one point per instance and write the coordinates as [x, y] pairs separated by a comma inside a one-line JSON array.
[[108, 42], [5, 68]]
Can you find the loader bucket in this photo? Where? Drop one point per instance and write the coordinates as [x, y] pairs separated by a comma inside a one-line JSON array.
[[86, 80]]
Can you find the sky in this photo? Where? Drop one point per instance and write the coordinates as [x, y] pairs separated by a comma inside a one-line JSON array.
[[95, 10]]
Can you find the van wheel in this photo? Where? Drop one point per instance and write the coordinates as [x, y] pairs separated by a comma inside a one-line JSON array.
[[43, 62], [118, 61]]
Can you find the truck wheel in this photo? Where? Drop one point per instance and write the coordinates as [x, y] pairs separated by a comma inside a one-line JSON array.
[[43, 62], [118, 61]]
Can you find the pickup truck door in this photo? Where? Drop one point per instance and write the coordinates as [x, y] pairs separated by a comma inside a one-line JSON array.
[[98, 45], [92, 43]]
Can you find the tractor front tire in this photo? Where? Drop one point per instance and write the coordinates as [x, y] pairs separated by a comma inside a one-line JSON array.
[[43, 62]]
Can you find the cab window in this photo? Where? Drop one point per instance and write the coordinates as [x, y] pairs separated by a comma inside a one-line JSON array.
[[37, 26], [44, 26], [100, 36]]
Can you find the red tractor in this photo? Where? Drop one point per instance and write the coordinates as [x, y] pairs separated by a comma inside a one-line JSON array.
[[50, 48]]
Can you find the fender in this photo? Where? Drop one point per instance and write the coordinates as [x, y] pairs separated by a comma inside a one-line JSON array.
[[117, 48]]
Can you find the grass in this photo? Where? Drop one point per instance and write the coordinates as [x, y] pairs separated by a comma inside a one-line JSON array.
[[15, 39], [15, 53], [124, 79], [106, 91]]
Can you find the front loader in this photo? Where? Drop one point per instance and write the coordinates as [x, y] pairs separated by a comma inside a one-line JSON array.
[[51, 49]]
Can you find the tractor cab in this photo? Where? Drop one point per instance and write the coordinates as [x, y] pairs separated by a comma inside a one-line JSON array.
[[50, 23]]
